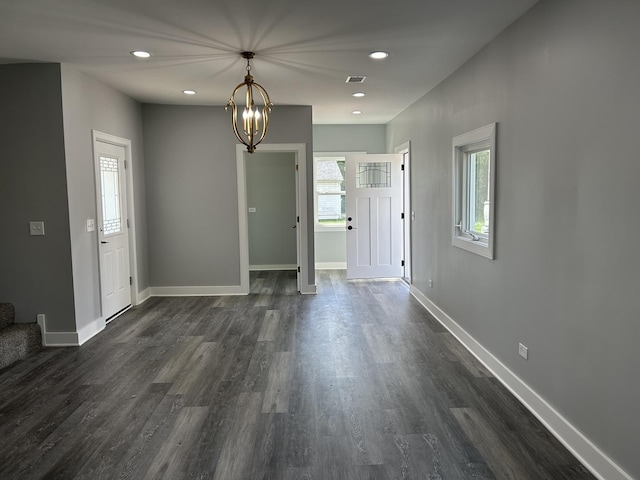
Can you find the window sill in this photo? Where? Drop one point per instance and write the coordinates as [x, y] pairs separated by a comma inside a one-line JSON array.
[[478, 247]]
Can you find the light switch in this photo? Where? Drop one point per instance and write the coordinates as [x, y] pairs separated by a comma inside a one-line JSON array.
[[36, 228], [252, 209], [91, 225]]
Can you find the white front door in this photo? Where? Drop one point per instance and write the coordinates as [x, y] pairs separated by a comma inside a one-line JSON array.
[[374, 216], [113, 235]]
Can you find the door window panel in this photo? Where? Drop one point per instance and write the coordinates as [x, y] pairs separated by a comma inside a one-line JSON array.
[[111, 211], [373, 175]]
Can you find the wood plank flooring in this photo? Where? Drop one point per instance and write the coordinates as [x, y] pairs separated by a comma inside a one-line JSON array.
[[357, 382]]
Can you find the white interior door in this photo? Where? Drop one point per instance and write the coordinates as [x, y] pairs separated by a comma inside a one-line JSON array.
[[374, 216], [113, 235]]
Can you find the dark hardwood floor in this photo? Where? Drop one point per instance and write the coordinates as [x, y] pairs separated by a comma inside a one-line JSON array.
[[357, 382]]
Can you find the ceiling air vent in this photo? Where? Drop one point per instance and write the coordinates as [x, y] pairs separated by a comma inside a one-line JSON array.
[[356, 78]]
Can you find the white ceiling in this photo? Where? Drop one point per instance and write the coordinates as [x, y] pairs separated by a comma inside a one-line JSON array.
[[304, 49]]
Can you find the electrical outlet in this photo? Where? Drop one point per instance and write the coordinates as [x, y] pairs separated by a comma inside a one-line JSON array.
[[430, 283], [523, 351], [36, 228]]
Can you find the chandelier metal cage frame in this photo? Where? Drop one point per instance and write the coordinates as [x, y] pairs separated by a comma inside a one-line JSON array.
[[255, 118]]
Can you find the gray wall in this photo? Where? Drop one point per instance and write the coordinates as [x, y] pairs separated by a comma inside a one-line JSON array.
[[331, 246], [192, 198], [35, 273], [562, 83], [271, 190], [91, 105], [349, 138]]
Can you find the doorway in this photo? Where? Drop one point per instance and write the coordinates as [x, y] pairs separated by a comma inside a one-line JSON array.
[[298, 150], [112, 165], [374, 210], [271, 207]]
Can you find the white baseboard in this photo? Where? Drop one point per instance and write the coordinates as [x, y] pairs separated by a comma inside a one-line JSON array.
[[90, 330], [143, 296], [331, 265], [584, 450], [60, 339], [69, 339], [201, 291], [258, 268], [308, 290], [56, 339]]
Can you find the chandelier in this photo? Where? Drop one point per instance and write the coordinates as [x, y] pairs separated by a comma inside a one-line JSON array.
[[255, 118]]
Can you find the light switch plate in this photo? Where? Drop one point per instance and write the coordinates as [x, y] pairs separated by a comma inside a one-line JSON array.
[[91, 225], [252, 209], [36, 228]]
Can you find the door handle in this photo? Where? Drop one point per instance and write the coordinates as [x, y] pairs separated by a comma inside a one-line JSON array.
[[349, 218], [294, 226], [102, 241], [349, 227]]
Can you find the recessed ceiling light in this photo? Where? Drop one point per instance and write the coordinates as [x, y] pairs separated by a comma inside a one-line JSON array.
[[378, 55], [140, 54], [359, 94], [189, 92], [356, 112]]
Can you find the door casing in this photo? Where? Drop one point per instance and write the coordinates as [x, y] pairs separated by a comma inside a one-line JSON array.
[[405, 151]]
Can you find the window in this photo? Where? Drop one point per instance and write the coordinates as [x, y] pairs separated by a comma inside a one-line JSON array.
[[473, 190], [329, 190]]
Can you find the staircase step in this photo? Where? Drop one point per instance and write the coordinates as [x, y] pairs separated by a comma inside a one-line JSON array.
[[7, 315], [17, 341]]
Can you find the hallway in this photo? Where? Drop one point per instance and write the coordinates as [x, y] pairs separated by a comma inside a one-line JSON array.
[[356, 382]]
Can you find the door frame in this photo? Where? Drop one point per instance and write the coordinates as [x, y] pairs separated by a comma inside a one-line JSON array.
[[125, 143], [300, 151], [405, 150]]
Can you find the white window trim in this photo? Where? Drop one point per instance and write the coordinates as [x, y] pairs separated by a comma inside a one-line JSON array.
[[318, 227], [484, 137]]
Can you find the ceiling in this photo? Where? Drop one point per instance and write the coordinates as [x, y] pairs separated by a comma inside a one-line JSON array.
[[304, 50]]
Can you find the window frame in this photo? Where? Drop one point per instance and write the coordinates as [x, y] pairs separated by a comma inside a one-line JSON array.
[[319, 227], [464, 145]]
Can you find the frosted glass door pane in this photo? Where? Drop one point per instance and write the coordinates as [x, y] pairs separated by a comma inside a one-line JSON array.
[[373, 175], [109, 178]]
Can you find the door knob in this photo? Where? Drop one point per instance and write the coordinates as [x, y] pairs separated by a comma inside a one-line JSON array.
[[349, 218], [349, 227]]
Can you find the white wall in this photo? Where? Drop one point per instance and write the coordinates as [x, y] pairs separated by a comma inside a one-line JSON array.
[[562, 83]]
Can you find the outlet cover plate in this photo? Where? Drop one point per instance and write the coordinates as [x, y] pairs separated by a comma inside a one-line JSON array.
[[36, 228], [523, 351]]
